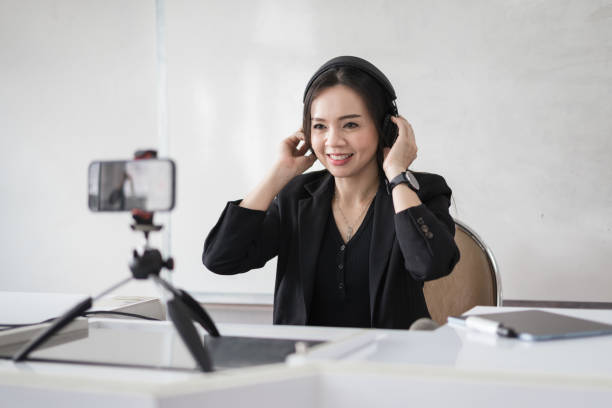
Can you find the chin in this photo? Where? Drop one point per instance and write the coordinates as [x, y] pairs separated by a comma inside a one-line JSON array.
[[340, 173], [347, 171]]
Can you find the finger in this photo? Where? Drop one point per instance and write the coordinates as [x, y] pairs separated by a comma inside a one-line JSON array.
[[300, 134], [404, 127], [386, 151], [410, 132], [293, 140], [401, 120], [401, 129]]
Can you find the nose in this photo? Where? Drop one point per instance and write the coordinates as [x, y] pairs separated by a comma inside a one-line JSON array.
[[333, 137]]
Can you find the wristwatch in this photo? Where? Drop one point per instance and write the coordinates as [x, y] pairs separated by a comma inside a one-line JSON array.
[[405, 177]]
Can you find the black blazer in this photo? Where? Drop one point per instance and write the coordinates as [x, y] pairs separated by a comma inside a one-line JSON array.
[[406, 249]]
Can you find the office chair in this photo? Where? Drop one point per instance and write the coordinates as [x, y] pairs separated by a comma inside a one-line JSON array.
[[474, 281]]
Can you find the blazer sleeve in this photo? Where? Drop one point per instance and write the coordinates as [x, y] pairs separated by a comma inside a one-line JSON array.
[[243, 239], [425, 233]]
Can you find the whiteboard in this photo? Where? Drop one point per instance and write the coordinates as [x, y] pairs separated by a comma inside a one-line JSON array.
[[509, 102]]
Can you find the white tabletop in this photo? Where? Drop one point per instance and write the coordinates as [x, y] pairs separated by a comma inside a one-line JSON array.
[[464, 349], [358, 368]]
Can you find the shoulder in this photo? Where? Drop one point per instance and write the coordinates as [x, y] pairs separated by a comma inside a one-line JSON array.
[[431, 185], [305, 184]]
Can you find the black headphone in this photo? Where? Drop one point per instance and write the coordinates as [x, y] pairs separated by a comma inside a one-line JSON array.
[[389, 129]]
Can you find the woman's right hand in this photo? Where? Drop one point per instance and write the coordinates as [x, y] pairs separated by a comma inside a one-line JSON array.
[[293, 159]]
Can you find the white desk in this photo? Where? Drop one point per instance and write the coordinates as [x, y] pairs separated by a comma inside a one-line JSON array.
[[448, 366]]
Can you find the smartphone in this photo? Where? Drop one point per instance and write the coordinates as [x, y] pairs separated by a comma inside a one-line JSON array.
[[125, 185]]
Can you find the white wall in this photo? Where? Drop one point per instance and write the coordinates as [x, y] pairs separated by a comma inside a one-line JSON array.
[[78, 83], [509, 101]]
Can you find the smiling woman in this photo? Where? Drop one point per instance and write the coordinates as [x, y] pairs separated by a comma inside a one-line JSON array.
[[355, 241]]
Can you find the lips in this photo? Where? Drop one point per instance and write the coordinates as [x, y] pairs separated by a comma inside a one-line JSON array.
[[340, 156], [339, 159]]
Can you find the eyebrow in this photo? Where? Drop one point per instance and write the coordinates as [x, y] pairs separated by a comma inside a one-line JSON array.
[[353, 115]]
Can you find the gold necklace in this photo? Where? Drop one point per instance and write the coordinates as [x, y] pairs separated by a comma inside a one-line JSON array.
[[349, 233]]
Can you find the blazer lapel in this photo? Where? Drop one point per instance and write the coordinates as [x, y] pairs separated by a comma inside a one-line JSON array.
[[383, 235], [312, 217]]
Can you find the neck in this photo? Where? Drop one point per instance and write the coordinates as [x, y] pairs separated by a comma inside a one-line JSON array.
[[359, 188]]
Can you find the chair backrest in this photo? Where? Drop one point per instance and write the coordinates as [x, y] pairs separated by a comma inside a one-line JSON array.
[[474, 280]]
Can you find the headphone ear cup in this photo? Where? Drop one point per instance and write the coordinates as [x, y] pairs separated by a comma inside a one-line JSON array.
[[389, 132]]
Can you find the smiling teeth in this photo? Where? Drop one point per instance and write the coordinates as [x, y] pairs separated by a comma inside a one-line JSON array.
[[340, 156]]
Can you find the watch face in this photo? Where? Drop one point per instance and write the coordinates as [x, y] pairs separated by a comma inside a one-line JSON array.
[[413, 181]]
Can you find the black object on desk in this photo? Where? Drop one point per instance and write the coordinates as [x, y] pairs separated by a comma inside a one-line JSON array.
[[537, 325]]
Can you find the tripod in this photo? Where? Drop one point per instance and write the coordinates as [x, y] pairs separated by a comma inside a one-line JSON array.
[[182, 308]]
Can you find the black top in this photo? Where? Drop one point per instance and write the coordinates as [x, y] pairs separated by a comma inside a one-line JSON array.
[[406, 248], [340, 295]]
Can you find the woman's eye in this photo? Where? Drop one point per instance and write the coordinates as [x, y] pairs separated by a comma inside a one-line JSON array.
[[351, 125], [318, 126]]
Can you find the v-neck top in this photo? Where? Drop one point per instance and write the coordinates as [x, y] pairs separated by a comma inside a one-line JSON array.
[[341, 295]]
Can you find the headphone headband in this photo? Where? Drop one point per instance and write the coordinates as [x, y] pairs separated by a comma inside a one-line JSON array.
[[353, 62]]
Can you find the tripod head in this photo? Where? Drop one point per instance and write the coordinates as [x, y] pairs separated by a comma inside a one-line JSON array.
[[151, 262]]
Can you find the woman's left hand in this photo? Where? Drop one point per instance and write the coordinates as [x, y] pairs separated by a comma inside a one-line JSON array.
[[403, 152]]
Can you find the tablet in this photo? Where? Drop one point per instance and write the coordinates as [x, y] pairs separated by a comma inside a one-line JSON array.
[[536, 325]]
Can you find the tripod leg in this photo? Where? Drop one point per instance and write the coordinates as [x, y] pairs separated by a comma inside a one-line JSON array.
[[179, 314], [199, 314], [58, 324], [62, 321]]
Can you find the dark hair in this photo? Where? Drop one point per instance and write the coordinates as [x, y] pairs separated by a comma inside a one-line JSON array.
[[376, 99]]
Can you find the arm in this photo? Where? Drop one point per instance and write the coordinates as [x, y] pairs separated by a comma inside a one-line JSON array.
[[242, 239], [397, 159], [248, 232], [292, 162], [425, 230], [425, 233]]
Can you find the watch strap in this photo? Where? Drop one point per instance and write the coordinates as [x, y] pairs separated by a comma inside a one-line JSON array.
[[404, 178]]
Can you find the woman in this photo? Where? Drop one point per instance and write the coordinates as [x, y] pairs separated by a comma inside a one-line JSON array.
[[355, 241]]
